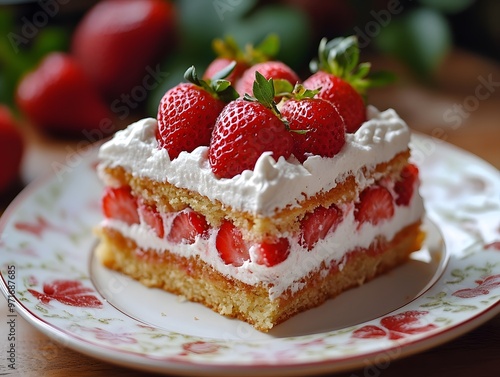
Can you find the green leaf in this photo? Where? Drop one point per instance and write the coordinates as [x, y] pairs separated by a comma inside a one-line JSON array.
[[300, 92], [227, 47], [282, 87], [263, 90], [340, 57], [270, 46], [224, 90], [343, 55], [191, 76], [218, 88], [362, 71], [220, 85]]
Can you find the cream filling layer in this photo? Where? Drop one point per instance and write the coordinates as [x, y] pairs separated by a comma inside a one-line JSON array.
[[300, 263]]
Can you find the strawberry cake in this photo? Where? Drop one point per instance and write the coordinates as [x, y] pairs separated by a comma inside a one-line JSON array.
[[256, 209]]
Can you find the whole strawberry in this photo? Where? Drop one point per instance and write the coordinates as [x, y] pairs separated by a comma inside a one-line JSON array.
[[187, 112], [245, 129], [59, 98], [11, 149], [275, 70], [320, 130], [341, 80]]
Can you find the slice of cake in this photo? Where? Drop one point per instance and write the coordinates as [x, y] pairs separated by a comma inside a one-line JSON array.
[[256, 210]]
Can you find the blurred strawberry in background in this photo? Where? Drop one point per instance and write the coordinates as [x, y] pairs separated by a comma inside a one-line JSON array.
[[59, 98], [117, 40], [11, 149]]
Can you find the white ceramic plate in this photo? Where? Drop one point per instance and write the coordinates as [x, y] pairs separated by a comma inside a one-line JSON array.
[[451, 286]]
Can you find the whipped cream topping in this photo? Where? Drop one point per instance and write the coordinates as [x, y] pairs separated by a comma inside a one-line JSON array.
[[272, 185]]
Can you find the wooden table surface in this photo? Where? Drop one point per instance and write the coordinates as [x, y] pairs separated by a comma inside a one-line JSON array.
[[428, 110]]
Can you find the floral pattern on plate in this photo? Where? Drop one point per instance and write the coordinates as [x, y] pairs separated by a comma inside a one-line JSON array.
[[46, 265]]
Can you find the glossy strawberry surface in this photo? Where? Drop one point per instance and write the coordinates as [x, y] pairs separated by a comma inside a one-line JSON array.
[[323, 128], [342, 95], [270, 70], [242, 133], [186, 117]]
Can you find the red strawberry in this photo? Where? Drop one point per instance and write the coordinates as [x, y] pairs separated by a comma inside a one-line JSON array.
[[11, 149], [270, 70], [234, 250], [342, 95], [186, 117], [273, 252], [246, 129], [219, 64], [404, 187], [375, 205], [227, 50], [230, 245], [187, 226], [58, 97], [325, 130], [120, 204], [187, 113], [316, 225], [119, 43], [341, 80], [152, 218]]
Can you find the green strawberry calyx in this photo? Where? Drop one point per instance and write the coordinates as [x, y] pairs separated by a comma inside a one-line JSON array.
[[340, 57], [217, 86], [264, 51], [264, 92], [299, 92]]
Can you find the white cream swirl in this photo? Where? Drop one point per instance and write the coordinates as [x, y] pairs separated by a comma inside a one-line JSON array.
[[272, 185]]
